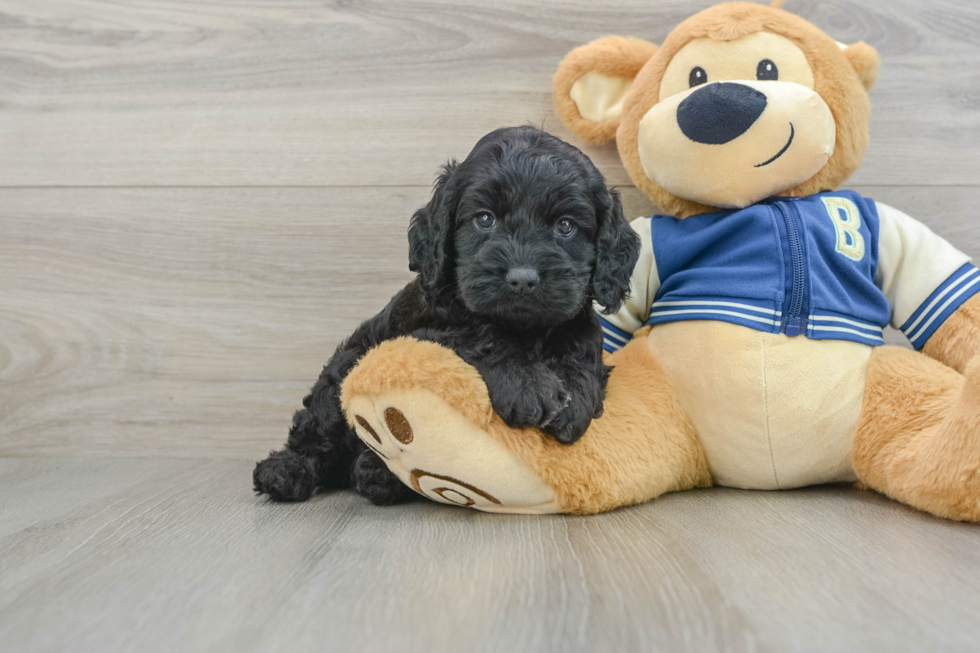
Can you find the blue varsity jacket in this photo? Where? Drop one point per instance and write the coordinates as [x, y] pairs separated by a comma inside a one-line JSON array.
[[827, 266]]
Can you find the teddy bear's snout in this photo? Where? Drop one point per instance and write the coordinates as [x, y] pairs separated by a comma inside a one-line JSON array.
[[720, 112]]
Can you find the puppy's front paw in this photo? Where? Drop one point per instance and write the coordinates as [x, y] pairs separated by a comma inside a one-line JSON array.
[[569, 425], [532, 404]]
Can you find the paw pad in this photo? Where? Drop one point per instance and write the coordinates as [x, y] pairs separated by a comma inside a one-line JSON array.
[[450, 490], [398, 425], [367, 427]]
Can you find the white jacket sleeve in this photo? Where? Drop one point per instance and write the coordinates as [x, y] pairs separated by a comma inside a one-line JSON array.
[[618, 328], [924, 277]]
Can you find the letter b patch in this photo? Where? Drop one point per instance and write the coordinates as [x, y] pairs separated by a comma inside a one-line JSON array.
[[847, 220]]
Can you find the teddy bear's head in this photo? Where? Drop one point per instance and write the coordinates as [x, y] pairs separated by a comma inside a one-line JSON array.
[[741, 102]]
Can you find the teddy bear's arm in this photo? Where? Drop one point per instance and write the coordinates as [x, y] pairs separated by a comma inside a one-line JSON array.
[[930, 286], [618, 328], [958, 339]]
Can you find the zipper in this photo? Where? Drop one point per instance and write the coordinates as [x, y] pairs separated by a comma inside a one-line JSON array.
[[795, 318]]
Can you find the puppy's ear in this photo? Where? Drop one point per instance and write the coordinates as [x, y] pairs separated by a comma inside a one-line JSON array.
[[617, 248], [430, 235]]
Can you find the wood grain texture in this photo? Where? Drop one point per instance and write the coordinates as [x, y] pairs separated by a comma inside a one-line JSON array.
[[160, 321], [367, 93], [200, 198], [191, 322], [183, 321], [177, 555]]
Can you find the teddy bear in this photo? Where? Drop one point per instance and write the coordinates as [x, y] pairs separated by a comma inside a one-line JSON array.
[[750, 351]]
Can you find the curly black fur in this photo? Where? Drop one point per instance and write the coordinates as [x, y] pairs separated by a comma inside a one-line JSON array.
[[514, 246]]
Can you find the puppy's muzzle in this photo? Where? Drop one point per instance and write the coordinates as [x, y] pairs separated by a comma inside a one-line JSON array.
[[523, 281]]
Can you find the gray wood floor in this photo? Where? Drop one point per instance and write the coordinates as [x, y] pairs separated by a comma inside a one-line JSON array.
[[200, 198], [175, 555]]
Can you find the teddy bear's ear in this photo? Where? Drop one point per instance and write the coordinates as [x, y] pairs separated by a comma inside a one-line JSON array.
[[865, 61], [592, 81]]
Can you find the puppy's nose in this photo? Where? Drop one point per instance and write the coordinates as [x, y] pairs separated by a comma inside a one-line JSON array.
[[720, 112], [522, 280]]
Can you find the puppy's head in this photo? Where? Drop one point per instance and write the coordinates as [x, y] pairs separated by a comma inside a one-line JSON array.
[[524, 231]]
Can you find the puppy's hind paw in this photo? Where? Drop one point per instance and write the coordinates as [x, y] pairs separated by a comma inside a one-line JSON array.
[[285, 476], [372, 479]]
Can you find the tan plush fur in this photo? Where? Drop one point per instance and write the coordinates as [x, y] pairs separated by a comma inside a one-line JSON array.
[[643, 446], [918, 436], [841, 85], [409, 363], [865, 61], [614, 56], [958, 339], [918, 440]]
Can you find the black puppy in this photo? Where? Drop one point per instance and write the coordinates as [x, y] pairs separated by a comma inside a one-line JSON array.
[[512, 249]]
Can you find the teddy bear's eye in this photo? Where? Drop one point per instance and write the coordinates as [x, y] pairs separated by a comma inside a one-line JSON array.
[[766, 70], [697, 76]]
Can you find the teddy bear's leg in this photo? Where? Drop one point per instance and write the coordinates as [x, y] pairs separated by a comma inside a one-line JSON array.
[[427, 414], [958, 339], [918, 440], [643, 446]]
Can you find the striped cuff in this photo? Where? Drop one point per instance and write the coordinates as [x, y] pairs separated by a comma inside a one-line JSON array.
[[613, 338], [943, 302]]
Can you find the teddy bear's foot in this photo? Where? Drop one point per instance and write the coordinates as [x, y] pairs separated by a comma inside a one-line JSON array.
[[423, 411], [435, 451], [426, 413], [919, 436]]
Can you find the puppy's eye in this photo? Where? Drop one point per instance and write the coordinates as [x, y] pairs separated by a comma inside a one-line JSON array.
[[485, 221], [697, 76], [766, 70], [565, 228]]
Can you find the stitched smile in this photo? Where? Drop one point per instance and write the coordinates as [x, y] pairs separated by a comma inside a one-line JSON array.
[[792, 132]]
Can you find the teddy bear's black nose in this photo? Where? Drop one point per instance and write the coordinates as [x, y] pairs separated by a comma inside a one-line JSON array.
[[720, 112]]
